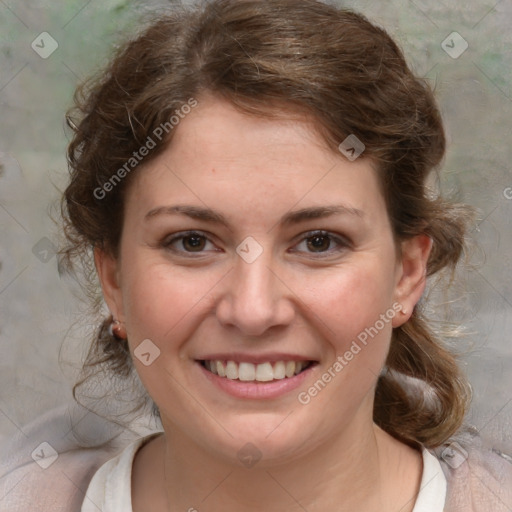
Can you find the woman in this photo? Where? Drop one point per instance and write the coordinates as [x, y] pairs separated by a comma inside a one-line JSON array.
[[251, 179]]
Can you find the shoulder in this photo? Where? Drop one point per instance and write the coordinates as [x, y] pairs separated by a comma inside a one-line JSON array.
[[48, 466], [59, 487], [111, 486], [479, 477]]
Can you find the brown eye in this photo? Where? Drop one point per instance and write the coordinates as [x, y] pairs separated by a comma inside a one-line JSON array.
[[319, 243], [322, 243], [193, 243], [188, 242]]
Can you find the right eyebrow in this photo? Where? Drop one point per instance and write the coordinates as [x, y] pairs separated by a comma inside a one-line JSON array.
[[194, 212]]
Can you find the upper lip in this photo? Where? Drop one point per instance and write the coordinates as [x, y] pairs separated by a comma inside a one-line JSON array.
[[254, 358]]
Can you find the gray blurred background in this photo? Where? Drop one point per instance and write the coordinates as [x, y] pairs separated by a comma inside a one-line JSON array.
[[38, 310]]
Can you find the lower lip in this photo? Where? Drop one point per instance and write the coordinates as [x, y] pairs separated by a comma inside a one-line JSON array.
[[256, 390]]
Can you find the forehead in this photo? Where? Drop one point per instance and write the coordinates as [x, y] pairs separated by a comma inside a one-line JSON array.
[[221, 155], [216, 128]]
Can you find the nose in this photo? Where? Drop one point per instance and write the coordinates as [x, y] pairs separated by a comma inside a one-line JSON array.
[[255, 298]]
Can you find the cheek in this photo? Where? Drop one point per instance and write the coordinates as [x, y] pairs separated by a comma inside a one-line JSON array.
[[355, 313], [352, 298], [161, 302], [161, 305]]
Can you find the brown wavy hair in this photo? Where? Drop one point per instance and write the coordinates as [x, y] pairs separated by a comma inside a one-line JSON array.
[[268, 57]]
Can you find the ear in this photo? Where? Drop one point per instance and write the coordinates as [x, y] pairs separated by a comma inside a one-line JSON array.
[[412, 275], [108, 272]]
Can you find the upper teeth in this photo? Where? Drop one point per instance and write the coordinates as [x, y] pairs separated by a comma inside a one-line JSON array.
[[263, 372]]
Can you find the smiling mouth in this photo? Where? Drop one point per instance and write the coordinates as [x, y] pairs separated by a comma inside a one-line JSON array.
[[263, 372]]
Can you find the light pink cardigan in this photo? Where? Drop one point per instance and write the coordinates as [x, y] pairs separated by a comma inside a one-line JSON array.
[[479, 478]]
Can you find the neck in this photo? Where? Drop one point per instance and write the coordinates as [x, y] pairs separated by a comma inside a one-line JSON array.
[[360, 469]]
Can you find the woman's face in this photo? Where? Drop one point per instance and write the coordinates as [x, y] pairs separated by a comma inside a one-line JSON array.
[[291, 264]]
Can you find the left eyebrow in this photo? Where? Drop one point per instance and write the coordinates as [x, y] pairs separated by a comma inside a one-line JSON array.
[[319, 212]]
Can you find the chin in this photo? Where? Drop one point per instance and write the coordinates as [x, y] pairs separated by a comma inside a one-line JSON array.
[[271, 439]]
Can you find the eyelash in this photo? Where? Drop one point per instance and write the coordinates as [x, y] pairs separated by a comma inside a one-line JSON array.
[[343, 242]]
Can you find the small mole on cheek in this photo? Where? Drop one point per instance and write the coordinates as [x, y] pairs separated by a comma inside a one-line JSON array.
[[213, 170]]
